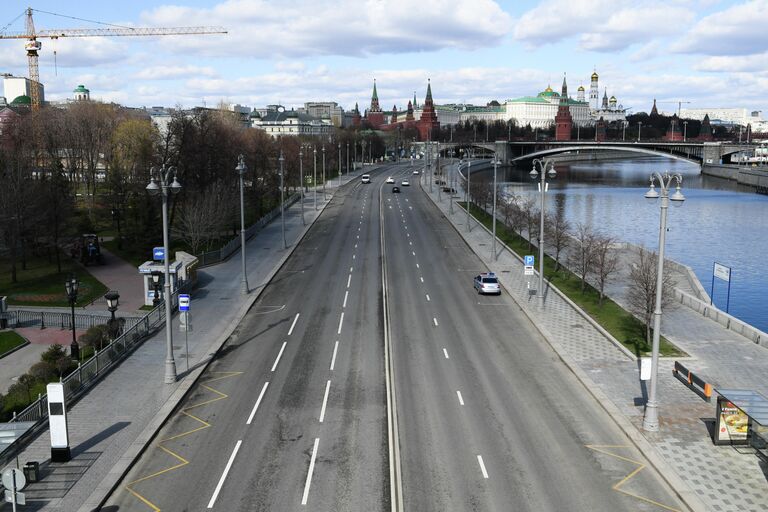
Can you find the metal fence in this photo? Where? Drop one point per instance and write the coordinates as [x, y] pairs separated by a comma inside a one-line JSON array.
[[89, 372], [62, 320], [219, 255]]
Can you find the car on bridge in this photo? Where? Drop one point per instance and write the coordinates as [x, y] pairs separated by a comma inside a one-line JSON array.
[[487, 282]]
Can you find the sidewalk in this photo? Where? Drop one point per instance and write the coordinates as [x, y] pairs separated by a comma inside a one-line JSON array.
[[708, 477], [112, 423]]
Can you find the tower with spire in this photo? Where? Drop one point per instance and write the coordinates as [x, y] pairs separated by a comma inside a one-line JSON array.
[[428, 125], [705, 134], [374, 117], [605, 99], [409, 112], [580, 93], [654, 110], [563, 118]]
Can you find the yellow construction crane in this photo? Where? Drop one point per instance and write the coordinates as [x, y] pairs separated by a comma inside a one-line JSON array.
[[33, 46]]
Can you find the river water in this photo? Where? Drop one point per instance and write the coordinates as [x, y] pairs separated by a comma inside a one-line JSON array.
[[719, 221]]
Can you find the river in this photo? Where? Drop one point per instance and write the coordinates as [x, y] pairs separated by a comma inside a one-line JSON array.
[[719, 221]]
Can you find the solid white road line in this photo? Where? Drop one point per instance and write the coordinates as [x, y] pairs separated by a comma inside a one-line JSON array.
[[349, 280], [296, 319], [346, 294], [461, 400], [279, 355], [341, 322], [427, 295], [224, 475], [325, 400], [309, 473], [445, 352], [258, 401], [482, 466], [333, 358], [435, 320]]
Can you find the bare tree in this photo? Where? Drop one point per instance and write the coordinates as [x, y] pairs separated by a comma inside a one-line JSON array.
[[204, 215], [530, 216], [558, 233], [641, 295], [580, 255], [605, 262]]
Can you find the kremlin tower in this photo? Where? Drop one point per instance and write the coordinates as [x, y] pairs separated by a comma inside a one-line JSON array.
[[563, 118], [428, 125], [374, 116]]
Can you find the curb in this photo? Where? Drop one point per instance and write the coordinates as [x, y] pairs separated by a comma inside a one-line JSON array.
[[670, 477], [116, 474]]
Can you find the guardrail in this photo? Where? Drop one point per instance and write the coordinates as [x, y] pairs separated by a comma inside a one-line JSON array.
[[89, 372], [692, 381], [219, 255], [62, 320]]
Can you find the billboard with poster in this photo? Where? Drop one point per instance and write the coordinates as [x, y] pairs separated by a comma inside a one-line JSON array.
[[731, 424]]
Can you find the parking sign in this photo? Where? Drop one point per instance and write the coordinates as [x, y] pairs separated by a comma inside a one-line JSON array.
[[528, 260]]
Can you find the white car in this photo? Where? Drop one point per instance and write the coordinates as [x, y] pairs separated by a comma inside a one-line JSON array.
[[487, 282], [405, 183], [366, 178], [415, 173], [390, 180]]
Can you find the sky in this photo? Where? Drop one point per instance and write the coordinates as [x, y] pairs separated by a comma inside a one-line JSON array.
[[710, 53]]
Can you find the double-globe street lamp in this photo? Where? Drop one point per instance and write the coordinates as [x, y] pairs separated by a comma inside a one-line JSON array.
[[71, 286], [495, 163], [651, 416], [468, 192], [302, 183], [241, 168], [314, 177], [160, 183], [547, 171], [282, 200]]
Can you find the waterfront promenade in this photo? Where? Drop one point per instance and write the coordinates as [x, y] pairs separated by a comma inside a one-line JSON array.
[[708, 477]]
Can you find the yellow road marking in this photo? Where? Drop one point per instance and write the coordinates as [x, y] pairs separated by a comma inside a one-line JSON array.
[[181, 460], [638, 469]]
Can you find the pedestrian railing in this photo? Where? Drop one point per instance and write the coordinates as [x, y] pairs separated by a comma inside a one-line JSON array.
[[219, 255], [62, 320], [692, 381], [90, 371]]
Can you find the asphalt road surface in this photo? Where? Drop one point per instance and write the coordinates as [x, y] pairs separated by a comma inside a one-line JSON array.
[[294, 414]]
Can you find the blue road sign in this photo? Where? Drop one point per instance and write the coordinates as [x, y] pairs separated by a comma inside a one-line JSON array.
[[183, 302], [158, 253], [529, 261]]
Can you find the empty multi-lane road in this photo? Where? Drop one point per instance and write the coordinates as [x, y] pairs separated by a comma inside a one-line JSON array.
[[369, 376]]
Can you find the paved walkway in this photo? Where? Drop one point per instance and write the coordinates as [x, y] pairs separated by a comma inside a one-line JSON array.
[[112, 423], [708, 477]]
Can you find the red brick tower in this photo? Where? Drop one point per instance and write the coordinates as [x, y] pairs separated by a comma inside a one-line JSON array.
[[705, 134], [375, 117], [563, 118], [409, 112], [600, 132], [428, 125], [394, 114], [356, 116]]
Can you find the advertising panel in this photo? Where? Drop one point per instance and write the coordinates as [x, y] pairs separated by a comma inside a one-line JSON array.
[[732, 424]]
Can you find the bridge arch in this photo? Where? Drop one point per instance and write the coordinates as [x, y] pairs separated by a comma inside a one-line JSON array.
[[580, 148]]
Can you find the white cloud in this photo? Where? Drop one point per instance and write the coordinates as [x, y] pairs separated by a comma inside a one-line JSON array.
[[173, 72], [738, 30], [600, 25], [300, 28]]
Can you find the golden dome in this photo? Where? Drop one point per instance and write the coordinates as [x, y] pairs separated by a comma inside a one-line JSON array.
[[581, 88], [594, 75]]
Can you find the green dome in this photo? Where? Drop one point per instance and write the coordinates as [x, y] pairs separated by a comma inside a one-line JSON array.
[[22, 100], [81, 88], [548, 93]]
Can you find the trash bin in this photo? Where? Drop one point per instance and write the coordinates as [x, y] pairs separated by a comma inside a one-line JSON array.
[[32, 471]]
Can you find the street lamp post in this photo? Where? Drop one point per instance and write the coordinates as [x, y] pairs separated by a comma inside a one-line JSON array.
[[347, 158], [156, 275], [551, 173], [493, 244], [282, 199], [241, 168], [159, 183], [624, 130], [71, 285], [302, 185], [651, 416], [314, 176], [113, 301], [339, 164], [324, 196], [685, 131], [468, 193]]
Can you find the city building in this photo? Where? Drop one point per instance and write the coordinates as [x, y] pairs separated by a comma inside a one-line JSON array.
[[325, 110], [16, 88], [279, 121], [728, 117], [81, 93]]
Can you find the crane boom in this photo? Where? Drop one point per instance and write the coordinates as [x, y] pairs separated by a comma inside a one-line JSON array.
[[33, 46]]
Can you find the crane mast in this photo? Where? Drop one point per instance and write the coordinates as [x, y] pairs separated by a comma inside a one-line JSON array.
[[33, 46]]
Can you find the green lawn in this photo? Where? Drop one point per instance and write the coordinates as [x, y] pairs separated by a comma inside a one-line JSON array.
[[9, 340], [41, 285], [613, 318]]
